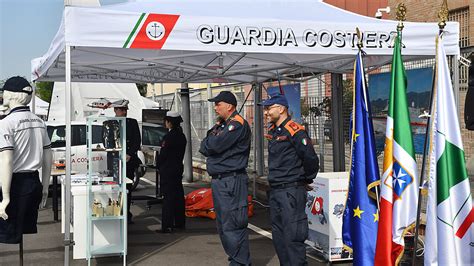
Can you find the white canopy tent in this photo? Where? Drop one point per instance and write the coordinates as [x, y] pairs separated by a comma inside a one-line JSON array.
[[84, 94], [220, 41], [41, 107], [210, 40]]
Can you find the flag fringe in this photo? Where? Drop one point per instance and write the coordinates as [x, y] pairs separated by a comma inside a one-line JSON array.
[[400, 256], [347, 248], [370, 187]]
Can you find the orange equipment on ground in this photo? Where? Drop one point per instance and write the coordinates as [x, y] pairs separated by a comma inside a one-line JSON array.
[[199, 204]]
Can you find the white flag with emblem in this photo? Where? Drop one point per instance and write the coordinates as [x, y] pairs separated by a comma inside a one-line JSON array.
[[449, 234]]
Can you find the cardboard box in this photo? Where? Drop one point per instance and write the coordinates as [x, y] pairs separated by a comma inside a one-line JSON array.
[[325, 208]]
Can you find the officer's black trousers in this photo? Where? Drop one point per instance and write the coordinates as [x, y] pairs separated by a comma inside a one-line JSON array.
[[230, 203], [289, 224], [173, 205], [131, 169]]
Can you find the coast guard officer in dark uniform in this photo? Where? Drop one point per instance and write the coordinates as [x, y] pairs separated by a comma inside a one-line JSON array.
[[292, 165], [227, 148], [170, 165]]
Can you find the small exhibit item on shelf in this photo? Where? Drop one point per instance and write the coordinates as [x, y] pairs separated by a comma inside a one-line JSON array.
[[109, 210], [113, 207], [118, 205], [111, 134], [97, 209], [116, 169]]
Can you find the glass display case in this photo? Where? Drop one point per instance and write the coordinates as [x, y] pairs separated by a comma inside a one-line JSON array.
[[106, 189]]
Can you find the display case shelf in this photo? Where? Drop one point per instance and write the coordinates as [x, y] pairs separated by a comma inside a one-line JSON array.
[[106, 150], [106, 232], [101, 250], [104, 218]]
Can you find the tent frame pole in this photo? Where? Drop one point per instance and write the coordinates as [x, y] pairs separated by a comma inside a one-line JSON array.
[[258, 129], [67, 198], [210, 117], [337, 90], [186, 113]]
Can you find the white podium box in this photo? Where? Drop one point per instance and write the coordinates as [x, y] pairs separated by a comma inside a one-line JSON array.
[[325, 208], [104, 231]]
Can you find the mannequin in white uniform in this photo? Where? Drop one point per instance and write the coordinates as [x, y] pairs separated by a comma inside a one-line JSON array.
[[12, 100]]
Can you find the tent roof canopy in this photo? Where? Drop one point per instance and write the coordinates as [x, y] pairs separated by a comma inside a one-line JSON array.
[[221, 41]]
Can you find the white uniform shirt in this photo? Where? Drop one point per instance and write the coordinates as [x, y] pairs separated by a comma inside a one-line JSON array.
[[25, 134]]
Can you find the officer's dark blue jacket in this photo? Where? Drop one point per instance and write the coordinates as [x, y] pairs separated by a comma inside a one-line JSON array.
[[291, 156], [170, 159], [134, 141], [227, 146]]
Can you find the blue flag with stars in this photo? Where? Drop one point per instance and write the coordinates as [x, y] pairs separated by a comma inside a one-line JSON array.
[[360, 219]]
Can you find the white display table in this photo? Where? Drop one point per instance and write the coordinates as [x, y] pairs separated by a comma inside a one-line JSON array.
[[325, 208], [105, 231]]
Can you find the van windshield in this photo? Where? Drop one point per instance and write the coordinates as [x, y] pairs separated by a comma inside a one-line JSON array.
[[57, 134], [153, 135]]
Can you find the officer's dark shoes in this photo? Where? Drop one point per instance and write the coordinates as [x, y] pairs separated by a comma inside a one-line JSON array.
[[167, 230]]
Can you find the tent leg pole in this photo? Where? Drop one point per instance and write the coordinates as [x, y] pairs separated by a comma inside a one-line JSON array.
[[259, 129], [210, 117], [67, 198], [258, 110], [188, 159], [337, 123]]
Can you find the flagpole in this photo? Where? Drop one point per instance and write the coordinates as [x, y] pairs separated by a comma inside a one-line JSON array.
[[443, 16]]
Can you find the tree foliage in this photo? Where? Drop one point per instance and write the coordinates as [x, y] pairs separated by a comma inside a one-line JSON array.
[[44, 90], [142, 88]]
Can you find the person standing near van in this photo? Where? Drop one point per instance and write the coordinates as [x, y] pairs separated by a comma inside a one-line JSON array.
[[133, 143], [292, 166], [170, 165]]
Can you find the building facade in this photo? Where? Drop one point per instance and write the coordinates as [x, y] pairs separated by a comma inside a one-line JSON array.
[[460, 11], [365, 8]]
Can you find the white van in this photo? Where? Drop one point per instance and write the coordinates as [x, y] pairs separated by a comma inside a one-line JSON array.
[[152, 135]]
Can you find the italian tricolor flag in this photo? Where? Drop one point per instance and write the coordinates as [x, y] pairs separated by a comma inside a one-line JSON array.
[[399, 182], [449, 234]]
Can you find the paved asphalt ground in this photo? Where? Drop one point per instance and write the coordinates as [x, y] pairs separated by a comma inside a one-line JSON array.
[[198, 245]]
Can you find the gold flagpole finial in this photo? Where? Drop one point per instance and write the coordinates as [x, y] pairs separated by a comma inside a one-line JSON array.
[[443, 15], [359, 38], [401, 15]]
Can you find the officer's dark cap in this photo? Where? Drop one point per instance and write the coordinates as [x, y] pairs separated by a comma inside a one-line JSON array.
[[275, 99], [17, 84], [225, 96]]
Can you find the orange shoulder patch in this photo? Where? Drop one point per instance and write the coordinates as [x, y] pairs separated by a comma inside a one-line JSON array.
[[293, 127], [239, 119]]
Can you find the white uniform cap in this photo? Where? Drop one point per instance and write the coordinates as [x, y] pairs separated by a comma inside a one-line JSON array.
[[172, 114]]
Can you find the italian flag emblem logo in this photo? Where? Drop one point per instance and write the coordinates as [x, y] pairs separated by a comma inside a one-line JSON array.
[[304, 141], [151, 31]]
